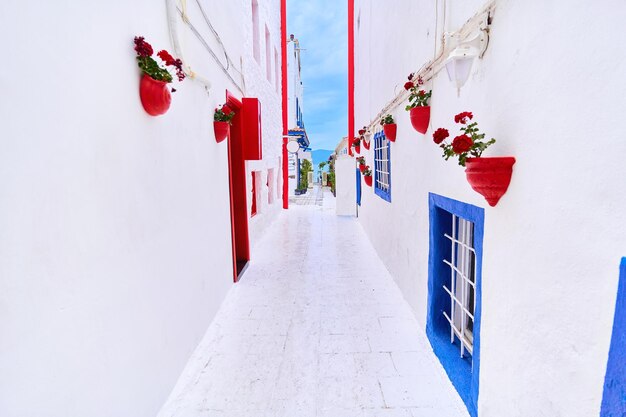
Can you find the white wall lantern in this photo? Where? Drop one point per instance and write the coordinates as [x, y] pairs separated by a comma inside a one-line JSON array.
[[461, 59], [293, 146]]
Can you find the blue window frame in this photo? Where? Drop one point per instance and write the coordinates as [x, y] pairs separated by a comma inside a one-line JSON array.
[[358, 186], [614, 395], [382, 166], [454, 292]]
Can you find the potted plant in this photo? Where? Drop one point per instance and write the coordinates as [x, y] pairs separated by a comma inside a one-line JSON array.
[[418, 103], [221, 122], [361, 161], [363, 135], [367, 175], [356, 144], [153, 91], [488, 176], [389, 127]]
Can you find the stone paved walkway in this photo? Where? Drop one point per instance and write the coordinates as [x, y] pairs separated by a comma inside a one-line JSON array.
[[314, 196], [316, 327]]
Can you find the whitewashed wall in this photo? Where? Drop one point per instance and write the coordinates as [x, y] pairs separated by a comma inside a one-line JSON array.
[[115, 242], [269, 91], [550, 89]]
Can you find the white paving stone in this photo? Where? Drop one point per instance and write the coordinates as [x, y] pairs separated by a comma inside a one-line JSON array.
[[315, 328]]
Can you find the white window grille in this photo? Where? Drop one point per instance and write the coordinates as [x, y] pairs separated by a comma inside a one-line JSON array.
[[462, 290]]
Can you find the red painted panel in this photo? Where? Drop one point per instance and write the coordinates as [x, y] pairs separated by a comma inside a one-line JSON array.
[[254, 181], [253, 143], [238, 195]]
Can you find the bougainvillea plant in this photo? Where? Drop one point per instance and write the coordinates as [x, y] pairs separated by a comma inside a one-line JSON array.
[[387, 120], [469, 144], [223, 113], [151, 67], [367, 172], [418, 97], [361, 160]]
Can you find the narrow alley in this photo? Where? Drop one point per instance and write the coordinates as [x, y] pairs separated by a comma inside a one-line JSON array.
[[287, 208], [316, 327]]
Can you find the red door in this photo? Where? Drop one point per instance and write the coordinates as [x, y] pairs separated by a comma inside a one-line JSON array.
[[238, 200]]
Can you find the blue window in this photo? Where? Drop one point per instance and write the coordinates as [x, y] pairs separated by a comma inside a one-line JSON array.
[[358, 186], [614, 396], [382, 166], [454, 292]]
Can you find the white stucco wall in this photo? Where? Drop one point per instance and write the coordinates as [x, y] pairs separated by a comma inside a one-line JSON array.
[[345, 186], [116, 244], [269, 92], [550, 90]]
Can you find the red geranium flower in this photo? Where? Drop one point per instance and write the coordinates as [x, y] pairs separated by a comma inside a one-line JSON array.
[[408, 85], [462, 144], [361, 132], [440, 134], [166, 57], [463, 117], [421, 93], [179, 69], [420, 80], [142, 47]]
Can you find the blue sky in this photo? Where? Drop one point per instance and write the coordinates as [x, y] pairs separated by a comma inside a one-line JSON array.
[[320, 26]]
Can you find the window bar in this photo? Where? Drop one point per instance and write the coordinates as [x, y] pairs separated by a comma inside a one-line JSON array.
[[445, 261], [469, 248], [459, 334], [457, 301], [464, 297], [459, 288]]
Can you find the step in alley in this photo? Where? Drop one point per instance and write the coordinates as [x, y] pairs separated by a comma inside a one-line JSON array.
[[316, 327]]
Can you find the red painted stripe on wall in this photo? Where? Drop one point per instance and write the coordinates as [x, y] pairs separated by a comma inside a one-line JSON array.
[[283, 53], [350, 74]]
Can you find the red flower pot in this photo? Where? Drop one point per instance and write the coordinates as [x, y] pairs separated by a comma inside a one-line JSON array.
[[390, 130], [490, 176], [362, 168], [366, 144], [420, 117], [155, 96], [357, 148], [368, 180], [222, 130]]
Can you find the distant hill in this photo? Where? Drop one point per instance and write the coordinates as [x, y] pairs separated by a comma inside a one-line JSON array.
[[320, 155]]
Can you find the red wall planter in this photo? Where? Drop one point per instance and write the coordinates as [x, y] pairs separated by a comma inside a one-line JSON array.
[[490, 176], [366, 144], [390, 129], [362, 168], [222, 130], [368, 180], [420, 117], [155, 96], [357, 148]]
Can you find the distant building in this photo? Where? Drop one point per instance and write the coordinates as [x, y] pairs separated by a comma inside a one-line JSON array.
[[295, 95]]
